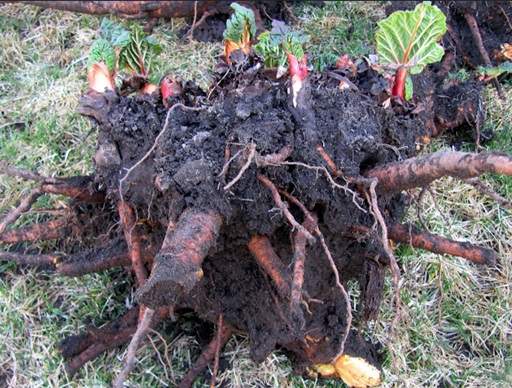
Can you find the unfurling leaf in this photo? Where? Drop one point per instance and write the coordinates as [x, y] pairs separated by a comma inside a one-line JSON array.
[[116, 34], [102, 52], [137, 55], [240, 30], [409, 38], [275, 45]]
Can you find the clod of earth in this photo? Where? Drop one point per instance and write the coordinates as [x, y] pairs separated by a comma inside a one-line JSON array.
[[252, 205]]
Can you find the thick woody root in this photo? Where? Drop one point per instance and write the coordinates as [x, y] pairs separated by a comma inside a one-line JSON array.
[[82, 348], [408, 234], [135, 9], [133, 239], [76, 188], [421, 171], [50, 230], [207, 356], [177, 266]]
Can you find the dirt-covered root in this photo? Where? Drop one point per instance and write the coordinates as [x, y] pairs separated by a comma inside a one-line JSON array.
[[50, 230], [261, 248], [28, 259], [177, 266], [421, 171]]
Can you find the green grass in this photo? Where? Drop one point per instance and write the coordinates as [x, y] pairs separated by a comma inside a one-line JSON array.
[[456, 327]]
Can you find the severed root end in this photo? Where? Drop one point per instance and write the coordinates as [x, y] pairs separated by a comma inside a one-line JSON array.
[[170, 279], [177, 266]]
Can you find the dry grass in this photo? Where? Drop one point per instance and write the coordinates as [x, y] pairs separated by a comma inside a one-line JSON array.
[[457, 324]]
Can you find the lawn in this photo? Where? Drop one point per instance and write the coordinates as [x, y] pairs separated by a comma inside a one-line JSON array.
[[456, 327]]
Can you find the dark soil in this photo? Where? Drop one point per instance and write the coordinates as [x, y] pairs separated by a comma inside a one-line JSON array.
[[184, 171]]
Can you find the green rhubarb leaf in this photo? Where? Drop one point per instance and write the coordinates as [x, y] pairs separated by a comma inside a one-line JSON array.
[[410, 38], [102, 51], [496, 71], [241, 23], [115, 33], [137, 55]]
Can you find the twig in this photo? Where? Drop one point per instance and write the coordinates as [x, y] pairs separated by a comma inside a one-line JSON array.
[[141, 331], [220, 323], [283, 207], [164, 129], [24, 206], [250, 158], [487, 190]]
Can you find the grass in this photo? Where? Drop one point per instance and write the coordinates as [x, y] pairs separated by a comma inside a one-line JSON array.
[[457, 318]]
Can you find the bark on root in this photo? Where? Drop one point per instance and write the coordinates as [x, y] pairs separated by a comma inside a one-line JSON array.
[[410, 235], [178, 264], [50, 230], [421, 171], [136, 9]]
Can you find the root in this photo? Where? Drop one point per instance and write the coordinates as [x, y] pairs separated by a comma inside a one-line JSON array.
[[177, 266], [85, 347], [328, 160], [50, 230], [395, 271], [312, 223], [283, 206], [261, 248], [133, 9], [252, 152], [9, 170], [408, 234], [487, 190], [35, 260], [355, 197], [421, 171], [114, 254], [206, 356], [25, 204], [133, 239], [299, 258], [220, 324], [75, 188], [140, 333], [273, 159]]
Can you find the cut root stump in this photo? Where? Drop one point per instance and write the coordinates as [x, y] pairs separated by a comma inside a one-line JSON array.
[[177, 266]]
